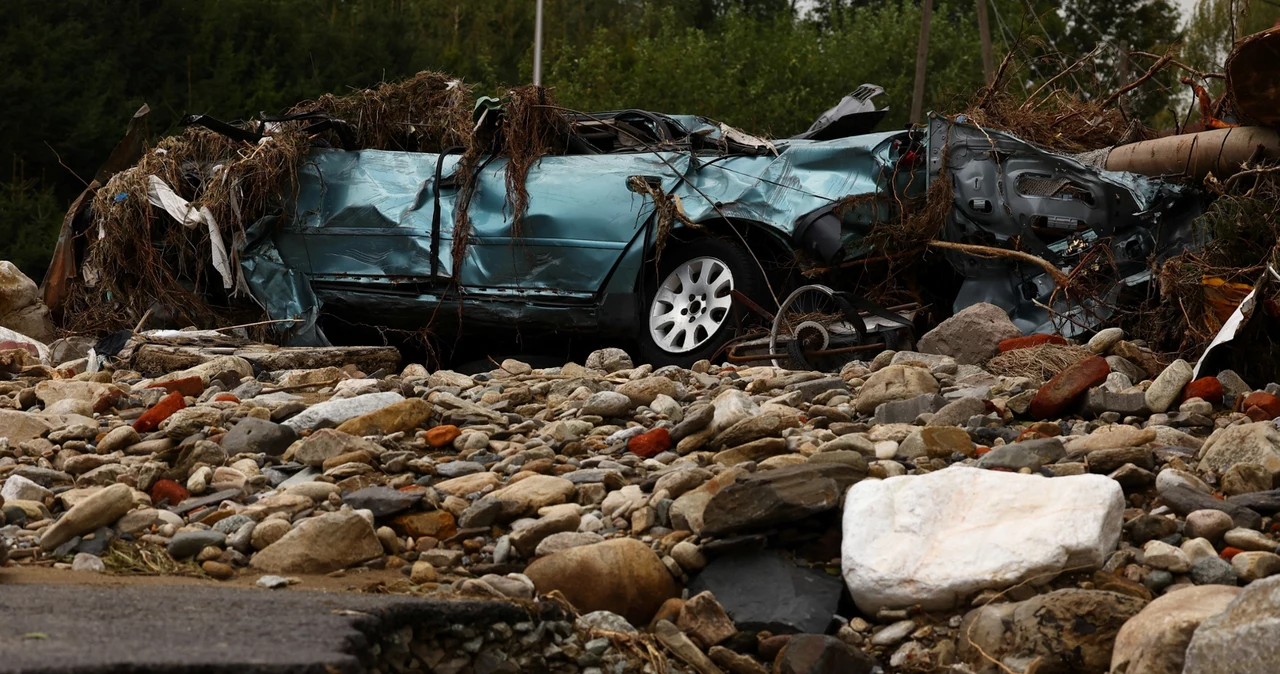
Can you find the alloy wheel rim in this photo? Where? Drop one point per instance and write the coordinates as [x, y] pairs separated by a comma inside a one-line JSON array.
[[691, 305]]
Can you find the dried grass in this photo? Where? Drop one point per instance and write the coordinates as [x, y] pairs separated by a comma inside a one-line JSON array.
[[1037, 363], [144, 559]]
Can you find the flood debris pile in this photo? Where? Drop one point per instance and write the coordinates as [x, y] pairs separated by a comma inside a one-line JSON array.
[[923, 511]]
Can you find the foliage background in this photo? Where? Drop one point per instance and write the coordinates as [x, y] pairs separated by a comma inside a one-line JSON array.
[[72, 72]]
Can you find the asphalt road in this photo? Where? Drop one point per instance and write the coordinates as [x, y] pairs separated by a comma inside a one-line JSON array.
[[202, 629]]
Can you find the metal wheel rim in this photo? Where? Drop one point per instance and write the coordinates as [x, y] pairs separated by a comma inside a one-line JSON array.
[[690, 305], [780, 317]]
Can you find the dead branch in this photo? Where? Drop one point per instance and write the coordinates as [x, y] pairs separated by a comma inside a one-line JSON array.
[[1178, 64], [1055, 78], [1155, 67], [989, 252]]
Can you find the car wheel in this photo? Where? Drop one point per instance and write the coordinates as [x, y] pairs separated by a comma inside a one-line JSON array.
[[688, 314]]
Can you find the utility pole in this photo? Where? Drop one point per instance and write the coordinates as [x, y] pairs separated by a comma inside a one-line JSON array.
[[922, 61], [984, 32], [537, 45]]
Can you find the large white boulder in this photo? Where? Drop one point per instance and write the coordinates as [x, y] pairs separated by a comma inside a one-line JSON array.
[[932, 540]]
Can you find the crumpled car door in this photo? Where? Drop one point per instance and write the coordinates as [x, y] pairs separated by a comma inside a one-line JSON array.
[[581, 218]]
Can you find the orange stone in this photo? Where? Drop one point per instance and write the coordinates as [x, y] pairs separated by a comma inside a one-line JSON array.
[[441, 436], [1029, 341], [651, 444], [187, 386], [1268, 404], [982, 449], [1064, 389], [1208, 389], [225, 398], [150, 420], [1229, 552], [168, 490], [437, 524]]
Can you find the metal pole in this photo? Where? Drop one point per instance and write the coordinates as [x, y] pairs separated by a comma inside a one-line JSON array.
[[984, 32], [537, 46], [922, 62]]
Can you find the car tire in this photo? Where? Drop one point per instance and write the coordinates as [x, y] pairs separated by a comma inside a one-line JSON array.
[[687, 314]]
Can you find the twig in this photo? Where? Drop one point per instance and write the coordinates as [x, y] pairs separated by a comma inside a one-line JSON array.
[[295, 387], [1155, 67], [1254, 171], [68, 168], [142, 320], [1053, 79], [1178, 64], [989, 252], [254, 325]]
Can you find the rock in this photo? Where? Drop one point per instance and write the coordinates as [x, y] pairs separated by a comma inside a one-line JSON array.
[[532, 493], [17, 291], [1145, 528], [1026, 454], [650, 444], [1161, 555], [187, 544], [1261, 406], [735, 663], [1155, 641], [1029, 341], [20, 427], [336, 411], [779, 496], [253, 435], [160, 412], [1243, 637], [1184, 501], [1245, 478], [756, 450], [704, 620], [321, 544], [821, 654], [1068, 630], [100, 509], [605, 620], [1114, 436], [268, 531], [558, 519], [972, 336], [1248, 539], [767, 424], [404, 415], [565, 540], [434, 523], [1253, 565], [894, 382], [934, 539], [1207, 524], [1168, 385], [1265, 502], [1247, 443], [688, 556], [627, 578], [906, 411], [1172, 477], [730, 407], [1208, 389], [422, 572], [189, 421], [118, 438], [675, 641], [382, 501], [644, 391], [607, 404], [1213, 571], [86, 563], [1053, 399], [328, 443], [762, 591], [958, 412], [18, 488], [936, 442], [1102, 342], [609, 360]]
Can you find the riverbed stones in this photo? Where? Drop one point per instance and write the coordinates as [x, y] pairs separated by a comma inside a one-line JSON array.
[[1243, 637], [321, 544], [972, 336], [623, 576], [894, 382], [101, 508], [932, 540]]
